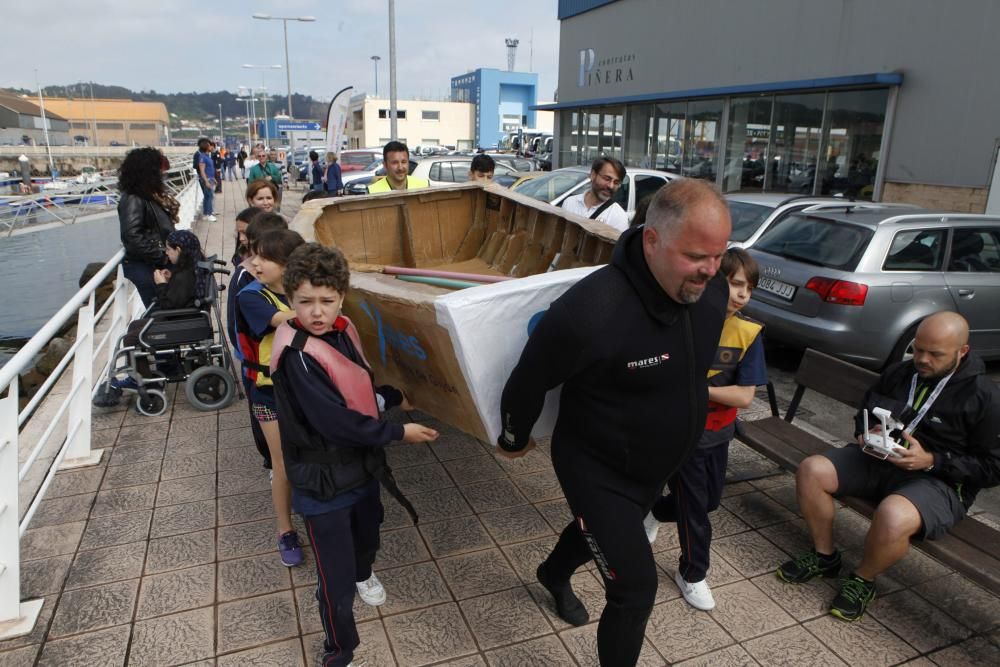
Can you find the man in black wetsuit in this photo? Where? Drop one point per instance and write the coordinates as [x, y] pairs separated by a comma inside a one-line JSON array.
[[631, 344]]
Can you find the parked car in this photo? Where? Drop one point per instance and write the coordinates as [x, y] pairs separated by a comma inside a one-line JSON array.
[[754, 212], [855, 281], [515, 162], [555, 186], [297, 162], [358, 159], [437, 170], [448, 169], [367, 172]]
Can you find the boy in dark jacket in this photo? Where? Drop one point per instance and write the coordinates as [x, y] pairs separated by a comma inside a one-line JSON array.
[[333, 440]]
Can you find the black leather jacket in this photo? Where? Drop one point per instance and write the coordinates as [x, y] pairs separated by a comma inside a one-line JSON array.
[[144, 229]]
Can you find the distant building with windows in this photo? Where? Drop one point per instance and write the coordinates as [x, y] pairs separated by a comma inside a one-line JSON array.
[[419, 122], [21, 123], [107, 122], [504, 102], [806, 97]]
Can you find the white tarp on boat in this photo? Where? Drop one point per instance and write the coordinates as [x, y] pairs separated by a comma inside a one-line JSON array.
[[489, 326]]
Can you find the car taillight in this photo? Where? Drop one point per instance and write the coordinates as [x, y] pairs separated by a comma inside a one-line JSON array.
[[843, 292]]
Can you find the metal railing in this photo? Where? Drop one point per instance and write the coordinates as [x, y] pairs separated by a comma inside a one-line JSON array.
[[67, 206], [68, 414], [86, 151]]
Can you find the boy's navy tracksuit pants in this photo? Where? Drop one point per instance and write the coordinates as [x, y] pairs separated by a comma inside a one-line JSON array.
[[695, 491], [344, 543]]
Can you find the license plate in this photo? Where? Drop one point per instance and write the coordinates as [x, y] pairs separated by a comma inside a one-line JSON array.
[[784, 290]]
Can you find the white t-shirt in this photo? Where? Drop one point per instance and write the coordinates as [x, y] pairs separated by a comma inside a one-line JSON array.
[[613, 216]]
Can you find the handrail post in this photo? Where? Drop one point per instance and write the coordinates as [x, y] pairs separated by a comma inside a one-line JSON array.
[[119, 312], [78, 453], [16, 618]]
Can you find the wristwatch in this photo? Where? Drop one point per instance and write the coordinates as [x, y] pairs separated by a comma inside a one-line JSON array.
[[929, 468]]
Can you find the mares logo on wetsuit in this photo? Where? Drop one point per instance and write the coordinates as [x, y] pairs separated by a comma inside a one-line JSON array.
[[647, 363], [599, 558]]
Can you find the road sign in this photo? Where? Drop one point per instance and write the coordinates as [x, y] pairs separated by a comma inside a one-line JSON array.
[[296, 126]]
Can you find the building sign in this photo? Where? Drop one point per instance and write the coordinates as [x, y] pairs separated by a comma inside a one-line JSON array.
[[295, 126], [602, 71]]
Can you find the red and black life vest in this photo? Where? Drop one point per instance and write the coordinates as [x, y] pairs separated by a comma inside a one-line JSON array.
[[313, 463]]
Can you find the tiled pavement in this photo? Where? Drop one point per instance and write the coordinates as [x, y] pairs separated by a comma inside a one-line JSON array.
[[164, 554]]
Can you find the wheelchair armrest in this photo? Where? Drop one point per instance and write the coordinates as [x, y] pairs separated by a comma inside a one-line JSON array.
[[175, 312]]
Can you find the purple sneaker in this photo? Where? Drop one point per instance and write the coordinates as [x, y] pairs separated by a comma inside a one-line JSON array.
[[290, 549]]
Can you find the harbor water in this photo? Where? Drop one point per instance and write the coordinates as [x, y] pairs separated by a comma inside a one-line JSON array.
[[42, 271]]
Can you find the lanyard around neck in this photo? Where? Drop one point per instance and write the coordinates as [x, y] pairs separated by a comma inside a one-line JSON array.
[[927, 403]]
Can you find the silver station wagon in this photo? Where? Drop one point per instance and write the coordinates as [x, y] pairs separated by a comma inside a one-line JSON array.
[[854, 282], [754, 212]]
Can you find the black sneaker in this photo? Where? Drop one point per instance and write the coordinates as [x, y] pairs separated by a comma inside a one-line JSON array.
[[853, 598], [807, 566]]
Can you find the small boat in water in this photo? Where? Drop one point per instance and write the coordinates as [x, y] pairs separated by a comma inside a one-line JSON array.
[[446, 284]]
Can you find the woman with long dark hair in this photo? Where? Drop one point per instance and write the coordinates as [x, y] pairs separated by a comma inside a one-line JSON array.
[[147, 214]]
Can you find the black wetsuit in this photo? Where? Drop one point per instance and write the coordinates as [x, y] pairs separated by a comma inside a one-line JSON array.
[[633, 365]]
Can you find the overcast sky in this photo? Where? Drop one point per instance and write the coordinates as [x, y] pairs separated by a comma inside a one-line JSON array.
[[189, 45]]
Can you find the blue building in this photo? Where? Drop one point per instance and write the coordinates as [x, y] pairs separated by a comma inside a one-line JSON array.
[[503, 100]]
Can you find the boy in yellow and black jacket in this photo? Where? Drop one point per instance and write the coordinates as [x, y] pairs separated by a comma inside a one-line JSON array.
[[696, 489]]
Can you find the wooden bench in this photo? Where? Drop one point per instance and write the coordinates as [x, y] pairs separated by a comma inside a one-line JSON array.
[[971, 547]]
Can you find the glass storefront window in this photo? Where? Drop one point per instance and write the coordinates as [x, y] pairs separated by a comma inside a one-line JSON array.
[[797, 130], [801, 143], [851, 142], [569, 138], [591, 131], [701, 134], [610, 133], [668, 128], [640, 140], [747, 149]]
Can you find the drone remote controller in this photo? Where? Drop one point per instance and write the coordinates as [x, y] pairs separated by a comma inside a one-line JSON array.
[[882, 445]]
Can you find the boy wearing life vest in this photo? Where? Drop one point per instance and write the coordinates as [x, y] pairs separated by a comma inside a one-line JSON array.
[[262, 306], [333, 440], [696, 489]]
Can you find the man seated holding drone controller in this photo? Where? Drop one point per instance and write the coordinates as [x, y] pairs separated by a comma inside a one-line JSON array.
[[943, 416]]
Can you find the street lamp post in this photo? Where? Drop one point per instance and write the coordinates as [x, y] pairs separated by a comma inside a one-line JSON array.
[[393, 133], [222, 132], [288, 70], [267, 129], [252, 94], [249, 138], [375, 59]]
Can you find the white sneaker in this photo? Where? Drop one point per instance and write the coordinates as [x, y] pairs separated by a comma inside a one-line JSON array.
[[698, 594], [371, 591], [211, 218], [652, 527]]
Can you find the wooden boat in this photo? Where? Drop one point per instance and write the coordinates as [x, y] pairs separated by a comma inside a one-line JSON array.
[[452, 351]]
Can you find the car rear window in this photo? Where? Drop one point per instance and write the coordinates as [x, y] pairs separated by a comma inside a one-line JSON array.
[[548, 187], [818, 241], [357, 159], [747, 218]]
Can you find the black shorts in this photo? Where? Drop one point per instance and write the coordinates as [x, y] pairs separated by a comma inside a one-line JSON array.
[[864, 476]]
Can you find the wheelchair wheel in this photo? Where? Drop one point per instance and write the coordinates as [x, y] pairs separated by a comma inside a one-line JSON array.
[[210, 388], [154, 404]]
